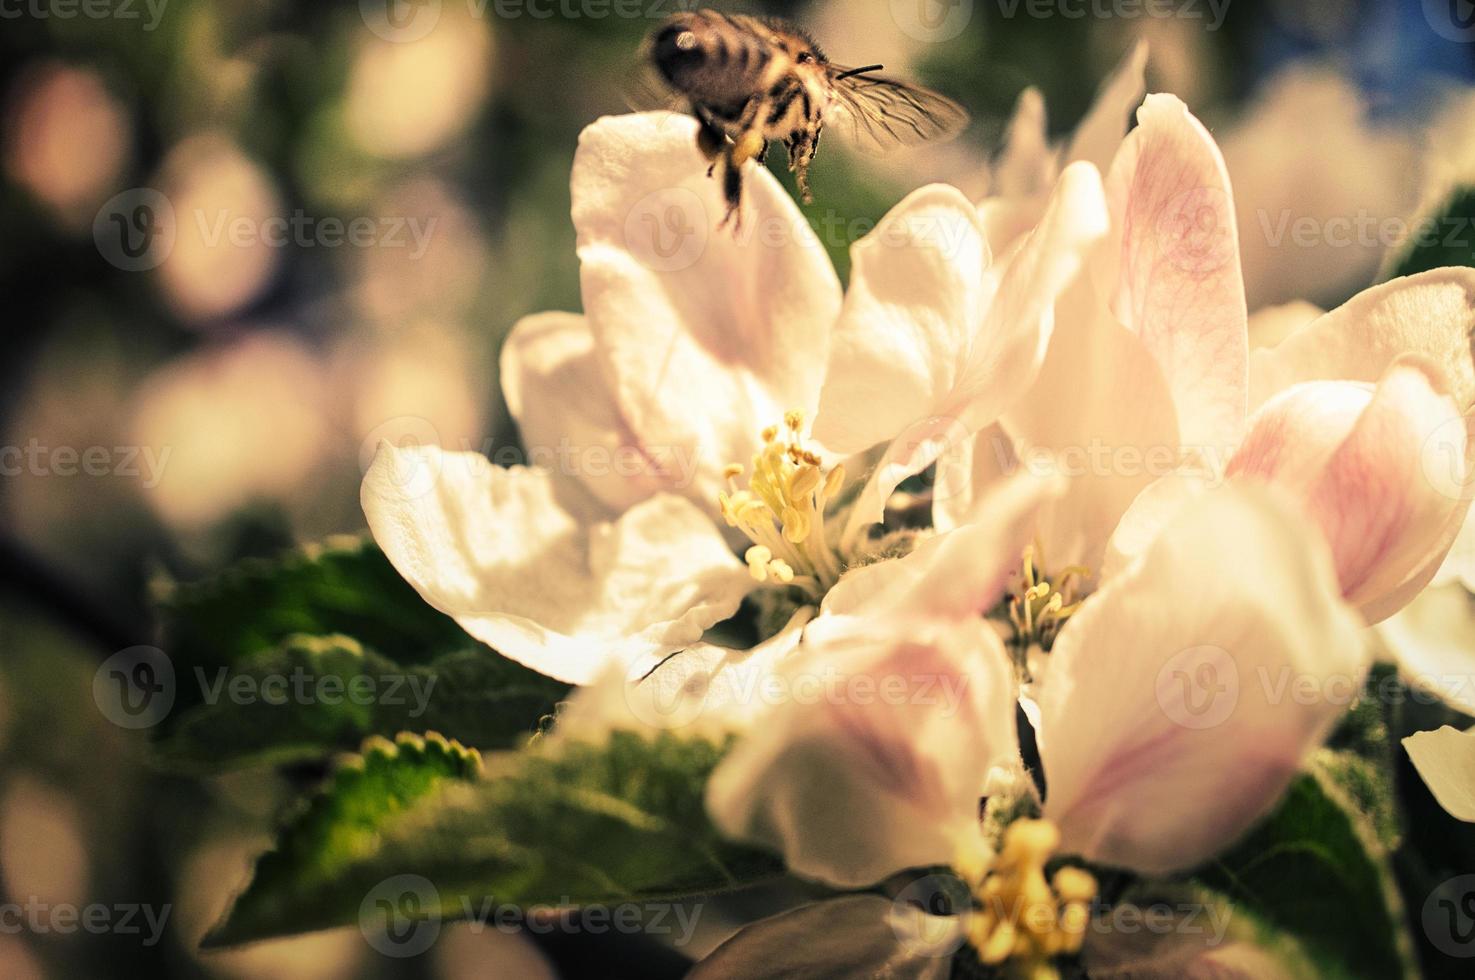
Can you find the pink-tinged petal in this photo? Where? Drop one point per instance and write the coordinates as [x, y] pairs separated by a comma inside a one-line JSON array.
[[954, 575], [1431, 314], [1178, 284], [1100, 133], [705, 336], [1381, 471], [1446, 760], [1181, 699], [968, 385], [874, 753], [494, 549], [556, 390]]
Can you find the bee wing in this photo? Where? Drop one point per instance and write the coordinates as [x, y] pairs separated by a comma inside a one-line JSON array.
[[643, 90], [878, 113]]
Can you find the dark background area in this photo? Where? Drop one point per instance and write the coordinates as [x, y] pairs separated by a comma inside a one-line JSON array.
[[236, 386]]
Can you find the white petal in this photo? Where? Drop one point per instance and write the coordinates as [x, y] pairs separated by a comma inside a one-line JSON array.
[[1178, 284], [1027, 165], [1182, 697], [1269, 325], [1459, 564], [706, 336], [1433, 641], [915, 303], [1430, 314], [874, 753], [704, 691], [954, 575], [962, 365], [556, 390], [1446, 760], [492, 548]]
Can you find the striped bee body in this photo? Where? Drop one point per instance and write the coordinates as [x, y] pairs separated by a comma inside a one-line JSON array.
[[751, 80]]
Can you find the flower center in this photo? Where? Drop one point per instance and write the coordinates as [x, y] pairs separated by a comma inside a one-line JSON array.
[[782, 511], [1038, 607], [1023, 917]]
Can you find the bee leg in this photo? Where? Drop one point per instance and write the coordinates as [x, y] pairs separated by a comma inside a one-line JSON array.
[[801, 152], [710, 141], [732, 189], [749, 145]]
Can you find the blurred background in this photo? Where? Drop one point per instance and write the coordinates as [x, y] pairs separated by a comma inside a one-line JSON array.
[[187, 382]]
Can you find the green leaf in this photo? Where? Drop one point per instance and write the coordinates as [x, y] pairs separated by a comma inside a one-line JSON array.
[[312, 696], [1438, 239], [1315, 870], [343, 585], [367, 795], [562, 823]]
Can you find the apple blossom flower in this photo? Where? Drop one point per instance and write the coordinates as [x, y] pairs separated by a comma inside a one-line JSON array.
[[1149, 391], [1145, 763], [700, 361]]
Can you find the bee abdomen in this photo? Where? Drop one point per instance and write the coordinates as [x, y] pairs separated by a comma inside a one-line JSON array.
[[710, 57]]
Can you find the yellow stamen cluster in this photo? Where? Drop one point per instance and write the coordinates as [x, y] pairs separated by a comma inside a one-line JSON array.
[[782, 510], [1024, 919], [1038, 607]]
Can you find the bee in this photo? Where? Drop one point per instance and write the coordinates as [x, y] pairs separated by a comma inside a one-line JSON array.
[[750, 80]]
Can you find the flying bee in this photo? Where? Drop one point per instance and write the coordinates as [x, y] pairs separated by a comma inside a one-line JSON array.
[[749, 80]]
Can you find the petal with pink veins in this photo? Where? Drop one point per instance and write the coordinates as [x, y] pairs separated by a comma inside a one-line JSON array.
[[1177, 281], [1175, 707], [875, 755], [1381, 471]]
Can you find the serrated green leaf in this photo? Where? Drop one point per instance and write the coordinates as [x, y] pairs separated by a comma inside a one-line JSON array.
[[1440, 238], [1315, 870], [312, 696], [563, 823], [342, 824], [344, 585]]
